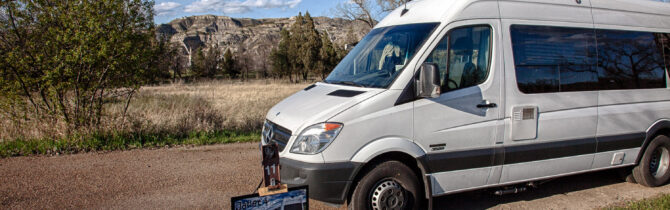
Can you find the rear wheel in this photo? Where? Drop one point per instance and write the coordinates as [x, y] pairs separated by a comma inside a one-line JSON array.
[[389, 185], [654, 166]]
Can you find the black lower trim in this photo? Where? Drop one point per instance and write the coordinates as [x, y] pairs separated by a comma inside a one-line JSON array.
[[453, 161], [611, 143], [495, 156], [499, 158], [328, 182], [549, 150]]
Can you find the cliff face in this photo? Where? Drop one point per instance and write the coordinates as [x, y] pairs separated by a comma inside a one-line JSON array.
[[253, 36]]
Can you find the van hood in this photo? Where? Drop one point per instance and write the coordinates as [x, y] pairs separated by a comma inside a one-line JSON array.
[[317, 103]]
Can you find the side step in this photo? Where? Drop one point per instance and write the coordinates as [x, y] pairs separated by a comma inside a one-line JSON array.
[[512, 190], [517, 189]]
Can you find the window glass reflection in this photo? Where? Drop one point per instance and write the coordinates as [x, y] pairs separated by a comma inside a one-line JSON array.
[[665, 39], [630, 60], [466, 53], [554, 59]]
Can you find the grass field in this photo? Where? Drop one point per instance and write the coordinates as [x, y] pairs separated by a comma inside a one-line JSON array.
[[175, 114], [661, 202]]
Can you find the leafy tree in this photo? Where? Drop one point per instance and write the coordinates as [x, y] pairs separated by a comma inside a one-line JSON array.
[[68, 58]]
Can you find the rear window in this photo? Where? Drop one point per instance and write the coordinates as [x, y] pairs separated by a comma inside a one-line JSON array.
[[561, 59], [665, 39], [630, 60]]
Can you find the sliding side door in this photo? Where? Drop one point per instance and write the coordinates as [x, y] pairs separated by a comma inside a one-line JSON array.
[[552, 98]]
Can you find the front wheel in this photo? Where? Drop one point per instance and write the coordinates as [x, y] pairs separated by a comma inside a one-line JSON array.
[[653, 169], [389, 185]]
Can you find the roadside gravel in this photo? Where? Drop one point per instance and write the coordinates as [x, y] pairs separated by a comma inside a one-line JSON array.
[[205, 177]]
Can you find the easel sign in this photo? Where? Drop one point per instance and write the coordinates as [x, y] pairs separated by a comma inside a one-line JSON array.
[[293, 199], [274, 195]]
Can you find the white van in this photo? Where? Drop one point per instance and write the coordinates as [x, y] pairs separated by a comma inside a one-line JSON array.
[[449, 96]]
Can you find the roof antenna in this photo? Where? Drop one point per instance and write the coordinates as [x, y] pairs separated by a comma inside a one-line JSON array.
[[404, 10]]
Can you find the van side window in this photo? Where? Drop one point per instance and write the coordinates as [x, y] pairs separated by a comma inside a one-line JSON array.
[[466, 53], [665, 39], [554, 59], [630, 60]]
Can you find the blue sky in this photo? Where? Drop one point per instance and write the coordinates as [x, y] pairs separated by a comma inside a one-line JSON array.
[[167, 10]]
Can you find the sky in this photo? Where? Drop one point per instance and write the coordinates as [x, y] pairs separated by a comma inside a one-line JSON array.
[[167, 10]]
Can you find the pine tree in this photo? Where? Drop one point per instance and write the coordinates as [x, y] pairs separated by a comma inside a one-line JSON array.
[[198, 63], [328, 56], [310, 48], [280, 58], [212, 61], [229, 65], [296, 38]]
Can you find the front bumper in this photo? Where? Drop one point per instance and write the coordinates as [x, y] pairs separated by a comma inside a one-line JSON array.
[[328, 182]]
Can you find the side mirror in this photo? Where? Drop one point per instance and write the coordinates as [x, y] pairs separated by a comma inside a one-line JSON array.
[[428, 83]]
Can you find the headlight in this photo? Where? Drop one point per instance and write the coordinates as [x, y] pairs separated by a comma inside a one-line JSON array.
[[316, 138]]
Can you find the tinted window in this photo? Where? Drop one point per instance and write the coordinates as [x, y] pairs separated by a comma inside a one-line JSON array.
[[554, 59], [466, 53], [665, 39], [630, 60]]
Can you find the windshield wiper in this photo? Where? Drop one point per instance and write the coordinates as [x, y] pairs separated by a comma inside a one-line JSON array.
[[347, 83]]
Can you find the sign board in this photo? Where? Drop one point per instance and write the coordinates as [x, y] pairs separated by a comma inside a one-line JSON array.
[[271, 176], [294, 199]]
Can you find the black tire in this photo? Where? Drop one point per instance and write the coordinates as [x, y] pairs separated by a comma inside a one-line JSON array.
[[653, 168], [382, 173]]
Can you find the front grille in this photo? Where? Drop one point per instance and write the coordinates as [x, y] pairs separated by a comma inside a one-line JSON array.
[[277, 134]]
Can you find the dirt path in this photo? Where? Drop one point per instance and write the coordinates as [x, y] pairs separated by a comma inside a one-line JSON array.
[[206, 177]]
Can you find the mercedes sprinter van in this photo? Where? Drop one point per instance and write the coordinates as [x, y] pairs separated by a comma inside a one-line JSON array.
[[446, 96]]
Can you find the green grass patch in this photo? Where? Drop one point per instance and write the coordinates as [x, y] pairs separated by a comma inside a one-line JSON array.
[[661, 202], [119, 141]]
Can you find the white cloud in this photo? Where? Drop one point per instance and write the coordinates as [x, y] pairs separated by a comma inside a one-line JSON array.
[[238, 6], [166, 8]]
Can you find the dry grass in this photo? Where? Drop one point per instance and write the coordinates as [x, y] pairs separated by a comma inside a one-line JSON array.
[[228, 105], [175, 109]]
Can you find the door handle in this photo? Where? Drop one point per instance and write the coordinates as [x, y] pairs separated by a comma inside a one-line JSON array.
[[487, 105]]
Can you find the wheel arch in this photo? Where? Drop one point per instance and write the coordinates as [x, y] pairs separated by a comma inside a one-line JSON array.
[[391, 149], [659, 127]]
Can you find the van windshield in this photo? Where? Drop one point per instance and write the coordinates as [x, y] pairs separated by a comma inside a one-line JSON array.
[[380, 57]]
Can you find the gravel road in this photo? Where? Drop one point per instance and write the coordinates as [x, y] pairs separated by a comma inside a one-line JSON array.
[[206, 177]]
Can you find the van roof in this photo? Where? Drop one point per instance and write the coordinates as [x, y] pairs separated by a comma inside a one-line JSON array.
[[641, 13]]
